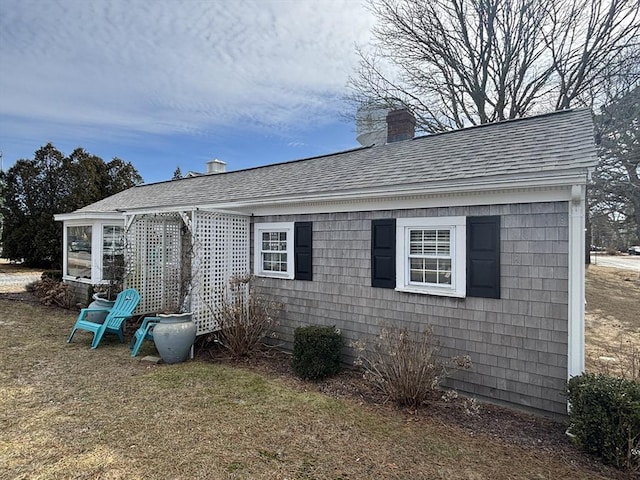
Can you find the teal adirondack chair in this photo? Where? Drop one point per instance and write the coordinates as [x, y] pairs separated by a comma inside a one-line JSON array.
[[126, 303], [145, 332]]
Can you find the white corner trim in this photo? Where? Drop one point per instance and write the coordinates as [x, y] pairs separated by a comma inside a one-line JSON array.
[[577, 195], [576, 304]]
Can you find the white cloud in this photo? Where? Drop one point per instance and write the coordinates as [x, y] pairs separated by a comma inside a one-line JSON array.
[[166, 66]]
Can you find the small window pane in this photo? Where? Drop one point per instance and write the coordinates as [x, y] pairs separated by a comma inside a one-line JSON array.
[[113, 254], [417, 263], [444, 265], [416, 242], [79, 251], [444, 242], [430, 276], [431, 264], [444, 278]]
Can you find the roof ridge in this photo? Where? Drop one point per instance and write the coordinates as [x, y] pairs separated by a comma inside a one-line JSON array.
[[505, 121], [257, 167]]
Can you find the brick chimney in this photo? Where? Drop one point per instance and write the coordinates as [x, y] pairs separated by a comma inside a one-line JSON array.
[[401, 125]]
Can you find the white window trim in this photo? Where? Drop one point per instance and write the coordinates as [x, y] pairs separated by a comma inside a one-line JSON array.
[[97, 231], [458, 227], [260, 228]]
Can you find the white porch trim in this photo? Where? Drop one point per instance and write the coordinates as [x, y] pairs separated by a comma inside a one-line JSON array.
[[88, 216]]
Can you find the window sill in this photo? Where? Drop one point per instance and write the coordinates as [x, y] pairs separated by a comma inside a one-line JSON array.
[[283, 276], [78, 280], [431, 291]]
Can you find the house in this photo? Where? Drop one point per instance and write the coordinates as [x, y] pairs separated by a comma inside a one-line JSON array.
[[477, 232]]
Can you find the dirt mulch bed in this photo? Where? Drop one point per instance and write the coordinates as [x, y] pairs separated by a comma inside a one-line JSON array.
[[27, 297]]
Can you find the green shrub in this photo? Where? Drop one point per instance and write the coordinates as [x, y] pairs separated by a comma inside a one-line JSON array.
[[52, 274], [605, 417], [405, 365], [316, 352]]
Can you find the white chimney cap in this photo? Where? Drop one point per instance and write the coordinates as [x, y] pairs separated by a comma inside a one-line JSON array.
[[216, 166]]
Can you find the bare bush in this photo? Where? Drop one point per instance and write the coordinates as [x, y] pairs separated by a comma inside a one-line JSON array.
[[51, 292], [245, 318], [623, 362], [405, 366], [470, 406]]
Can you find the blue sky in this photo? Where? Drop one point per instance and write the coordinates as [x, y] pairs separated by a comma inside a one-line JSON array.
[[167, 83]]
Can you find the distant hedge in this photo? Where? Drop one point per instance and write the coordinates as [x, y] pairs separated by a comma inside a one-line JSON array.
[[52, 274]]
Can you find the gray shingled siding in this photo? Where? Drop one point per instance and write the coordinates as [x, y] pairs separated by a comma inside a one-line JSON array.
[[518, 343]]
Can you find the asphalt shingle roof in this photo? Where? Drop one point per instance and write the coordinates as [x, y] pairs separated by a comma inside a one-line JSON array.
[[557, 142]]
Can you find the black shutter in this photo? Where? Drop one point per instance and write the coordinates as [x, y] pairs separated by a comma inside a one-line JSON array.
[[302, 243], [383, 253], [483, 257]]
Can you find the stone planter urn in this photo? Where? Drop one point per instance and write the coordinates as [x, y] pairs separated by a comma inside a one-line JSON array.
[[99, 302], [174, 336]]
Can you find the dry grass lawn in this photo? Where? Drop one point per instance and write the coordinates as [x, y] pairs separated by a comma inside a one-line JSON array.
[[613, 322], [70, 412]]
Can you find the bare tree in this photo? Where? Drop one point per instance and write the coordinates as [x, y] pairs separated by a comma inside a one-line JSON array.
[[456, 63], [615, 189]]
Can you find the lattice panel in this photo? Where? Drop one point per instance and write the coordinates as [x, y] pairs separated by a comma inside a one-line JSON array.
[[153, 256], [221, 251]]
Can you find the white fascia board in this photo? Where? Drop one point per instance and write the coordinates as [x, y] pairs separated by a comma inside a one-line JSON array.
[[88, 216], [454, 199], [522, 190]]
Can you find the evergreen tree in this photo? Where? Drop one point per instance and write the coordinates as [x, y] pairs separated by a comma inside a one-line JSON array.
[[50, 183]]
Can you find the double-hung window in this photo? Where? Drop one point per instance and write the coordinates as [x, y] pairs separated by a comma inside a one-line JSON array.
[[431, 255], [273, 250]]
